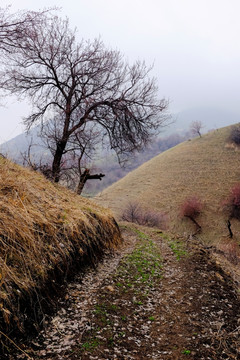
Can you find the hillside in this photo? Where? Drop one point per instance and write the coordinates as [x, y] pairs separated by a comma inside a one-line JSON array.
[[205, 167], [46, 234], [158, 297]]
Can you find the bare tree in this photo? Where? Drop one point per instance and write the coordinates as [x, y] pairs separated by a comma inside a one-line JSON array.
[[83, 84], [13, 26], [196, 127]]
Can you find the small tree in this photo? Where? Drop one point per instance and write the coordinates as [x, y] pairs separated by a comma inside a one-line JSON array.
[[196, 127], [192, 208]]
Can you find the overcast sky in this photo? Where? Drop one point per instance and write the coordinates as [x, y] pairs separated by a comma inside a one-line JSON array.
[[194, 45]]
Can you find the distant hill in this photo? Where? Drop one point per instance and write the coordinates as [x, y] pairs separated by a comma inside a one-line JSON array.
[[206, 167], [17, 146]]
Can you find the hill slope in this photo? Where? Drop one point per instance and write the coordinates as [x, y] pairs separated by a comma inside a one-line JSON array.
[[45, 232], [206, 167]]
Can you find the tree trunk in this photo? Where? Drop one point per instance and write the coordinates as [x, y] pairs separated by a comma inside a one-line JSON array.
[[86, 176], [195, 222], [82, 181], [229, 229], [56, 165]]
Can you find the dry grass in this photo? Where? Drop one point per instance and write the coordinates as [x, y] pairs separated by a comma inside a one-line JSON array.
[[44, 230], [206, 167]]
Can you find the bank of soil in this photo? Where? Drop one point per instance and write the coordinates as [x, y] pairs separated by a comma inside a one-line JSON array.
[[155, 299]]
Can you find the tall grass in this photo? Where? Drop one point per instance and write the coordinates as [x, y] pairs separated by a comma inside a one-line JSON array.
[[45, 231]]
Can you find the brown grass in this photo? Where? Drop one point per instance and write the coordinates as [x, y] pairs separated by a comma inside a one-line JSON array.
[[44, 231], [206, 167]]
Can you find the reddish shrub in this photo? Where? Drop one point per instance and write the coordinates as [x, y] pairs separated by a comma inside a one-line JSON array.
[[191, 208]]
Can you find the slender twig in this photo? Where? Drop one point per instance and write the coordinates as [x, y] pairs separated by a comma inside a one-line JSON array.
[[16, 345]]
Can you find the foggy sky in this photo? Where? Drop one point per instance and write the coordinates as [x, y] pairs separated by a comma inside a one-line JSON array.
[[194, 45]]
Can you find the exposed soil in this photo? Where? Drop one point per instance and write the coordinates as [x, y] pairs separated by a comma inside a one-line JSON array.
[[154, 299]]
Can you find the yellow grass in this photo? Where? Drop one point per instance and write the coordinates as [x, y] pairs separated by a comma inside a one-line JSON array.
[[206, 167], [44, 228]]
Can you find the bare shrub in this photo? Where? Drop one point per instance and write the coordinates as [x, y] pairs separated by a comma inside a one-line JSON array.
[[153, 218], [191, 208], [135, 213], [235, 134], [132, 213]]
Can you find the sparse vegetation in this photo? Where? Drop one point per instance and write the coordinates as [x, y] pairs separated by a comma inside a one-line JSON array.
[[135, 213], [178, 249], [137, 274]]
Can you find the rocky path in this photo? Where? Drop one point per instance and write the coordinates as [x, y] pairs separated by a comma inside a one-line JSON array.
[[154, 299]]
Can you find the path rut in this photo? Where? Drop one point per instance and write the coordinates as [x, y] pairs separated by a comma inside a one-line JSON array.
[[191, 311]]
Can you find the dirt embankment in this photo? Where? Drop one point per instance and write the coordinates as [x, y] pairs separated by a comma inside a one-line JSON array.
[[154, 300]]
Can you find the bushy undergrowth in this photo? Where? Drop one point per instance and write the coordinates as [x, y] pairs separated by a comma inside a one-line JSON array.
[[137, 214], [45, 231]]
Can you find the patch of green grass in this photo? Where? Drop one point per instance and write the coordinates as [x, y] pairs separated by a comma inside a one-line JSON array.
[[140, 234], [111, 341], [186, 352], [138, 302], [144, 263], [91, 344], [151, 318], [178, 249]]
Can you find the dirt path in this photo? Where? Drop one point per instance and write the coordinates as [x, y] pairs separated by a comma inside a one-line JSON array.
[[152, 300]]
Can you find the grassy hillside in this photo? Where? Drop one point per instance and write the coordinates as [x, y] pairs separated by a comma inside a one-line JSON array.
[[45, 232], [206, 167]]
